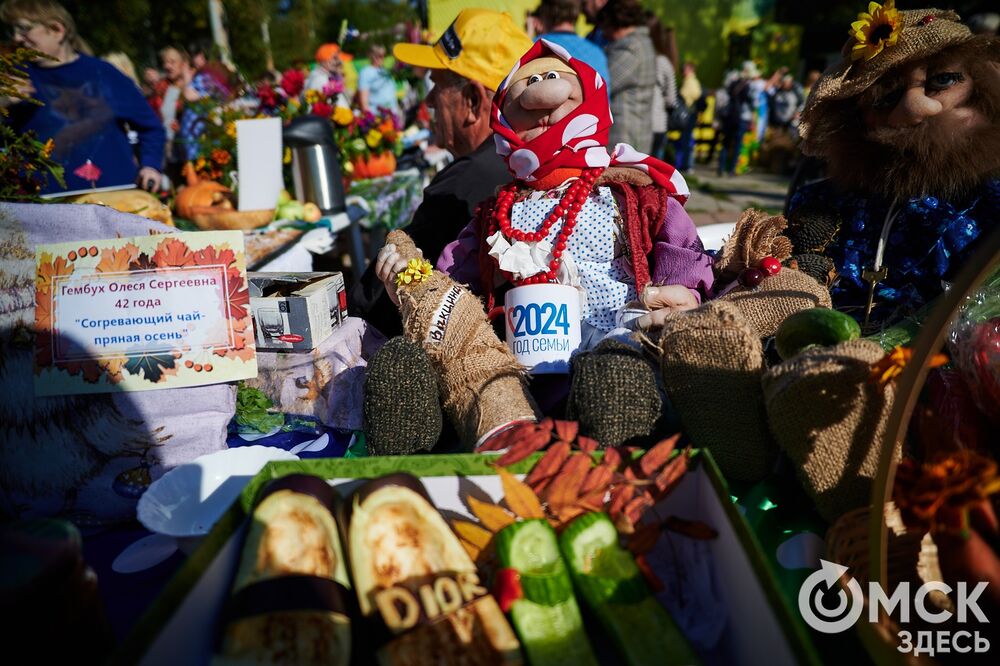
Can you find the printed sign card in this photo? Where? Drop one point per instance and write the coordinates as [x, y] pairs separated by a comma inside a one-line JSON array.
[[258, 158], [145, 313]]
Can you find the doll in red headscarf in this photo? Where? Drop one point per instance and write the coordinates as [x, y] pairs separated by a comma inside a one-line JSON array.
[[612, 225]]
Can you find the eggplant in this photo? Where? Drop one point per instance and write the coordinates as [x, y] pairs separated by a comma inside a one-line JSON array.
[[290, 600], [416, 582]]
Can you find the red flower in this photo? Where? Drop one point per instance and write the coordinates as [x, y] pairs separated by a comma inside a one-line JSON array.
[[293, 81], [322, 109], [267, 97]]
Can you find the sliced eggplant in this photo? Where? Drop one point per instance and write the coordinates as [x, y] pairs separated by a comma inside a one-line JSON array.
[[291, 601], [412, 576]]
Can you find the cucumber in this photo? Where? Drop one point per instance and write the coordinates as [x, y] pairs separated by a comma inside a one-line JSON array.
[[612, 585], [547, 619], [815, 327]]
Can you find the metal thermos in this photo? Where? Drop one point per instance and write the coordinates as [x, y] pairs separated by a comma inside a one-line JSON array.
[[315, 163]]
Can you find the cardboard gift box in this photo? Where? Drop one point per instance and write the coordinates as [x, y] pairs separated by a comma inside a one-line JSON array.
[[296, 311], [720, 592]]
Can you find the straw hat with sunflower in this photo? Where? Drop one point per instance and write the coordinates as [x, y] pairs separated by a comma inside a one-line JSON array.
[[881, 39]]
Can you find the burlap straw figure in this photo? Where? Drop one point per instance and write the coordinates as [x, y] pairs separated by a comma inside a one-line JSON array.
[[711, 360], [482, 384], [830, 420], [766, 304]]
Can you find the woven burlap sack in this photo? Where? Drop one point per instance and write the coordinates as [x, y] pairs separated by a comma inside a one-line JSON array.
[[776, 297], [830, 420], [711, 363], [482, 384]]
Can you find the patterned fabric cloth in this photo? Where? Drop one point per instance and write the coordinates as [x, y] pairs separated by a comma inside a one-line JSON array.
[[579, 139], [632, 62], [603, 272], [929, 241]]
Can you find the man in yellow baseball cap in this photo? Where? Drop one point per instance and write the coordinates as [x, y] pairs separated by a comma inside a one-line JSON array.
[[480, 45], [467, 65]]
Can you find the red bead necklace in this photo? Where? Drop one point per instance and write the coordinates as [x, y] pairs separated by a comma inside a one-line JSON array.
[[569, 206]]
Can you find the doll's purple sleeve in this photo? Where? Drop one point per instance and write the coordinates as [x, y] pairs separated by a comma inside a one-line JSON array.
[[460, 258], [678, 254]]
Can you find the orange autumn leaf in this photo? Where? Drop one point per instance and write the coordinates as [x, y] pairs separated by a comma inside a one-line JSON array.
[[117, 261], [210, 256], [519, 497], [491, 516], [473, 551], [565, 488], [49, 269], [43, 311], [477, 535], [653, 459], [173, 252]]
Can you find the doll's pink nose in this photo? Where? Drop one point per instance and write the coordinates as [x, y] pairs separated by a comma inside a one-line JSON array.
[[914, 108], [546, 94]]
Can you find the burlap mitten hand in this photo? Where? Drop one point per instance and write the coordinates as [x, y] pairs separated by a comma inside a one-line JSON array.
[[402, 402], [711, 360], [614, 394], [482, 384], [766, 299], [830, 420]]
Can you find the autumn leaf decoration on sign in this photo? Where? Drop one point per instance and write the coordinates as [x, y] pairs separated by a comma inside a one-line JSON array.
[[570, 480]]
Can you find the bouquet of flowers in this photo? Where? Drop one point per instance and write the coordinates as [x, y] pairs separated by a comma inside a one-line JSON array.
[[25, 162], [217, 141], [370, 137]]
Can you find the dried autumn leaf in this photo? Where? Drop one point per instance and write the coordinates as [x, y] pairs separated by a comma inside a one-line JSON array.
[[644, 539], [672, 472], [599, 478], [593, 501], [566, 430], [476, 535], [690, 528], [549, 464], [565, 488], [637, 507], [474, 551], [620, 496], [568, 513], [586, 444], [613, 457], [524, 447], [519, 497], [491, 516], [505, 438], [658, 455]]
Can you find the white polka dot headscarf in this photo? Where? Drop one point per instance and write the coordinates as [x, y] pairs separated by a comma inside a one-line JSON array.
[[579, 139]]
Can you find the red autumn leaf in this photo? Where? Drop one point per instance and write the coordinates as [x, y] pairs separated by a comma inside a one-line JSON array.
[[212, 257], [530, 443], [672, 472], [173, 252], [613, 457], [586, 444], [658, 455], [598, 479], [593, 501], [566, 430], [637, 507], [644, 538], [565, 488], [506, 438], [238, 298], [691, 528], [620, 496], [549, 464]]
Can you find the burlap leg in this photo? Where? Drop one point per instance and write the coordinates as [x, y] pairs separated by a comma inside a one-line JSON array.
[[614, 394], [402, 404], [482, 384], [711, 360], [776, 297], [830, 421]]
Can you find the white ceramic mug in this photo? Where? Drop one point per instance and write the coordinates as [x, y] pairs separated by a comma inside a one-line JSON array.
[[543, 326]]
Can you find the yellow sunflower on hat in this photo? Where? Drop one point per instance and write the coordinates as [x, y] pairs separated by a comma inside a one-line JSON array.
[[875, 30]]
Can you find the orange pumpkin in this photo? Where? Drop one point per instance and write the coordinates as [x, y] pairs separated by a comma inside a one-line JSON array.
[[374, 166], [197, 194]]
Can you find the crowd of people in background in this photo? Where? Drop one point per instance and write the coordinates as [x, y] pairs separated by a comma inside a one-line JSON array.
[[138, 128]]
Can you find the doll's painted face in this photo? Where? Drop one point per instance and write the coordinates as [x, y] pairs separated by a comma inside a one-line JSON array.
[[544, 92]]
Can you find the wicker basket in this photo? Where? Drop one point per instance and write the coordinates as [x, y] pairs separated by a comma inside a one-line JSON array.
[[220, 219], [900, 556]]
